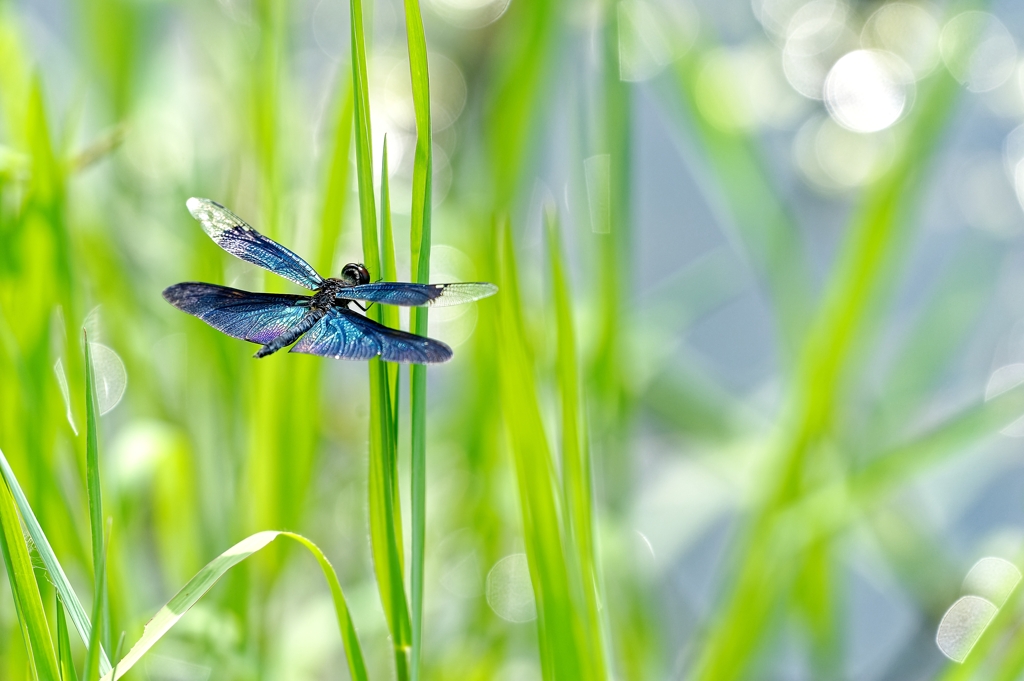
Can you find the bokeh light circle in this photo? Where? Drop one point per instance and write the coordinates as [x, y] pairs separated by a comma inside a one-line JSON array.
[[910, 31], [868, 90], [978, 50]]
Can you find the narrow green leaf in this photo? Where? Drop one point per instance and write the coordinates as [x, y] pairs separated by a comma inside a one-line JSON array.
[[879, 227], [336, 191], [28, 603], [92, 657], [576, 464], [190, 594], [419, 236], [67, 665], [523, 66], [92, 472], [559, 626], [763, 223], [68, 598], [389, 313], [385, 517], [363, 138]]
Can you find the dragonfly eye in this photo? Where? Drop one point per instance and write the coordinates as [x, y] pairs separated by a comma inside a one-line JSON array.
[[355, 274]]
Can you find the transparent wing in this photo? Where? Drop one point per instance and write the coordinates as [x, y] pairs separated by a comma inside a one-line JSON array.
[[344, 334], [416, 295], [232, 234], [255, 317]]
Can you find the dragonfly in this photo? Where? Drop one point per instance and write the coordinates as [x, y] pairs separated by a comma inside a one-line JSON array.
[[319, 324]]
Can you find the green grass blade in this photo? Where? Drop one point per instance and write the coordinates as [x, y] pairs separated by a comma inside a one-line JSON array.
[[363, 140], [190, 594], [92, 468], [419, 236], [28, 603], [880, 226], [525, 49], [389, 313], [385, 518], [763, 222], [91, 669], [337, 188], [558, 623], [56, 573], [67, 664], [577, 473]]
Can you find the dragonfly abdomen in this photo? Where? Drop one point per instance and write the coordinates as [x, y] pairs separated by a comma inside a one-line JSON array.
[[291, 335]]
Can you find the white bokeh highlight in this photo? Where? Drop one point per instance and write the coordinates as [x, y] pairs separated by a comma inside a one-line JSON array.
[[868, 90], [510, 591]]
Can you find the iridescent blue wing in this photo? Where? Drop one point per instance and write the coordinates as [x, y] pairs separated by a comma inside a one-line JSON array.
[[255, 317], [344, 334], [416, 295], [232, 234]]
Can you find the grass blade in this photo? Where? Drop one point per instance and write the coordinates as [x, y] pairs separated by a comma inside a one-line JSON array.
[[577, 491], [92, 469], [67, 665], [879, 227], [385, 518], [558, 623], [337, 187], [34, 628], [762, 221], [190, 594], [92, 658], [519, 94], [60, 581], [419, 236], [389, 313]]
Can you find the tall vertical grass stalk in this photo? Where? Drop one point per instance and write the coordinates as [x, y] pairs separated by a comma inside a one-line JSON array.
[[562, 631], [419, 236], [92, 469], [385, 516], [389, 313], [99, 597], [67, 664], [577, 489]]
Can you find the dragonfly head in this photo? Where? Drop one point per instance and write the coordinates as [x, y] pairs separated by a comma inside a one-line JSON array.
[[355, 274]]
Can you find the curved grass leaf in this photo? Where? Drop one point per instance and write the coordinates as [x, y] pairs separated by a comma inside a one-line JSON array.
[[173, 611], [27, 601], [60, 582]]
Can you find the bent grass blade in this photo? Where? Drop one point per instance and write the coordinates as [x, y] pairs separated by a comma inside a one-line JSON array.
[[28, 603], [60, 582], [190, 594]]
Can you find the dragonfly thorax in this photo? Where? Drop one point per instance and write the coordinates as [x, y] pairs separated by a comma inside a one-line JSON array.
[[328, 292]]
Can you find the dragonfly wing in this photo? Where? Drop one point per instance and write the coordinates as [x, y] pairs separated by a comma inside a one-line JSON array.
[[232, 234], [344, 334], [255, 317], [417, 295]]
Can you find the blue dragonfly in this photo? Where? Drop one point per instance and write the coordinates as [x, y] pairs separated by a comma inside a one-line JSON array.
[[323, 323]]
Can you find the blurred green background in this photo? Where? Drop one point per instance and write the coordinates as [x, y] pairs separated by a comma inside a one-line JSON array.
[[745, 406]]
